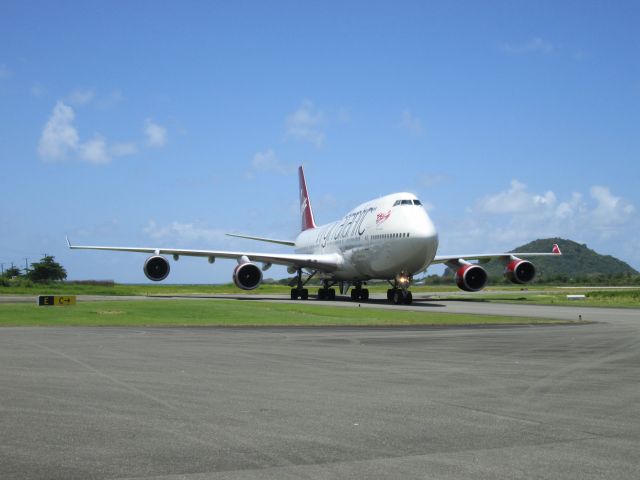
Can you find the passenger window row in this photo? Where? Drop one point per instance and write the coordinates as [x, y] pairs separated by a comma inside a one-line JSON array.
[[390, 235]]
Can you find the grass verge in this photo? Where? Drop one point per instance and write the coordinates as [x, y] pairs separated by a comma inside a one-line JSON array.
[[600, 298], [233, 313]]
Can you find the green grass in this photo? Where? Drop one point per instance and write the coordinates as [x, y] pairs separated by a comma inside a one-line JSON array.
[[597, 298], [231, 313]]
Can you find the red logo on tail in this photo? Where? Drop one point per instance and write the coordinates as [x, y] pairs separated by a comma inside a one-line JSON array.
[[556, 249]]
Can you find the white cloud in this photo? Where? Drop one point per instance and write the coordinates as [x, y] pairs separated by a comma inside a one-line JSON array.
[[518, 215], [304, 124], [80, 97], [610, 211], [60, 141], [572, 207], [533, 45], [123, 149], [156, 134], [59, 136], [269, 162], [411, 123], [94, 151], [184, 233], [515, 200]]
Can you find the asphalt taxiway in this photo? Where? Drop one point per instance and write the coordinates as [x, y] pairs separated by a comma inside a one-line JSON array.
[[558, 401]]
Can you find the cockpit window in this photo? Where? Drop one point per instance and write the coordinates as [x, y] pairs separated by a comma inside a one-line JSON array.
[[407, 202]]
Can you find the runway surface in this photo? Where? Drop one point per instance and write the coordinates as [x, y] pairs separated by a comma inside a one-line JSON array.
[[194, 403]]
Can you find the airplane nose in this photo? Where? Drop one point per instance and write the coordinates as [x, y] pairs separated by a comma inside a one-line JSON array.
[[424, 231], [424, 228]]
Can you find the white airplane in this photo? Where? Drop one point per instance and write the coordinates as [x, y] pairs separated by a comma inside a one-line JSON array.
[[390, 238]]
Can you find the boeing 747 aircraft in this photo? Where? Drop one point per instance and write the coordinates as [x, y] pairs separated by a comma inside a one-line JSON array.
[[390, 238]]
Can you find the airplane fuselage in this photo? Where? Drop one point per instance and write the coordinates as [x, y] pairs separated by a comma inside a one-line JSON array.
[[378, 239]]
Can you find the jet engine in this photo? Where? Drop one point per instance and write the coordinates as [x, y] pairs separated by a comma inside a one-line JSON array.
[[471, 278], [247, 276], [156, 268], [520, 271]]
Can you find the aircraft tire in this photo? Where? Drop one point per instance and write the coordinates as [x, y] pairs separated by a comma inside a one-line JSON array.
[[322, 294], [365, 294], [407, 298], [397, 296], [304, 294], [294, 294], [331, 294]]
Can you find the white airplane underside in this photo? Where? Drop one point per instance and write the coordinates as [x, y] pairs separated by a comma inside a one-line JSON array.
[[390, 238]]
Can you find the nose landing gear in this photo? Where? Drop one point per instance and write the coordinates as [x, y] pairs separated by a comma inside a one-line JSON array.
[[400, 294]]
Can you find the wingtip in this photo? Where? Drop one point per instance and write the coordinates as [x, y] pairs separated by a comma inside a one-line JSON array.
[[68, 242]]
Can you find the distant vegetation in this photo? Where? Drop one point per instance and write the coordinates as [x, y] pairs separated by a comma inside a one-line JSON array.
[[47, 270]]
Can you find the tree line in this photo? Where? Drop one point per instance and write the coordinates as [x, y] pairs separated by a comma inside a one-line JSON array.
[[46, 270]]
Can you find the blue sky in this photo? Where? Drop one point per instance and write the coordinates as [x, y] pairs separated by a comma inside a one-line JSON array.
[[171, 123]]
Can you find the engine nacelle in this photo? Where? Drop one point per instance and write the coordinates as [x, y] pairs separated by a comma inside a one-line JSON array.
[[247, 276], [471, 278], [520, 271], [156, 268]]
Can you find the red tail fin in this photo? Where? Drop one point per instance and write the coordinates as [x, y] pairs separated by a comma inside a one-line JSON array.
[[305, 205], [556, 249]]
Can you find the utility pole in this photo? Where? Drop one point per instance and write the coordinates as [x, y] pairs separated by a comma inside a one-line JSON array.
[[2, 266], [26, 266]]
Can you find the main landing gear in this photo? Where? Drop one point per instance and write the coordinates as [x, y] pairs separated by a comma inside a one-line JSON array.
[[326, 292], [299, 292], [359, 294]]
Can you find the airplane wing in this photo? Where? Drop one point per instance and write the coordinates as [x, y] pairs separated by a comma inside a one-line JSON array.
[[289, 243], [486, 257], [324, 262]]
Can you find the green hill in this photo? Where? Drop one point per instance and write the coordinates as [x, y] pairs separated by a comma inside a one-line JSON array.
[[577, 261]]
